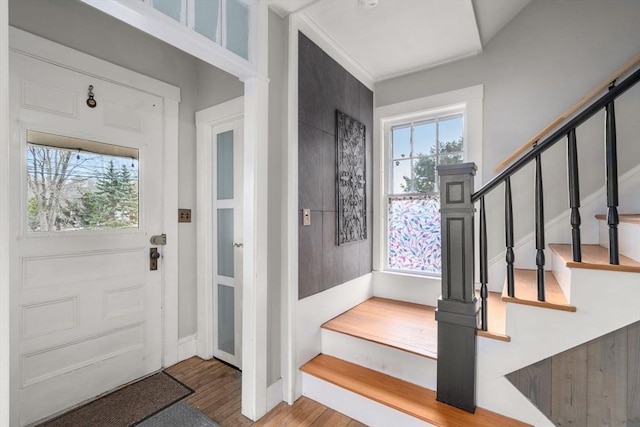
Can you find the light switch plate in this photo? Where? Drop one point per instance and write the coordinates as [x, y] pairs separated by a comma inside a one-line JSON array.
[[184, 215], [306, 216]]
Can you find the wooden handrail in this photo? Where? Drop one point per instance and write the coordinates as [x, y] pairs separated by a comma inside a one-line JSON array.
[[566, 114]]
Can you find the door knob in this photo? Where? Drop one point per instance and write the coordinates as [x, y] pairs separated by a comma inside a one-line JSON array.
[[153, 258]]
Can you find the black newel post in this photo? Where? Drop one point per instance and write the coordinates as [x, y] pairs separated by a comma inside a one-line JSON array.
[[458, 307]]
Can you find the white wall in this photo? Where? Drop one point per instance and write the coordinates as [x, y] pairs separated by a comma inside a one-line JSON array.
[[542, 62], [85, 29]]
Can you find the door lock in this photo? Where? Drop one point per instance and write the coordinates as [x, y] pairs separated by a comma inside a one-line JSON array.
[[159, 240], [153, 259]]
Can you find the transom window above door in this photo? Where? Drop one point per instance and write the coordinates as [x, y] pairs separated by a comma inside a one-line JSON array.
[[75, 184], [225, 22]]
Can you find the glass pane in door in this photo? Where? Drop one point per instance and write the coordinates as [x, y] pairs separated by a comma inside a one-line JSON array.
[[225, 242], [226, 321], [224, 165]]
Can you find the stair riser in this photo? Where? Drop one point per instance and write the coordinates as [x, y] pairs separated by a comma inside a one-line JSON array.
[[628, 238], [400, 364], [353, 405], [562, 274]]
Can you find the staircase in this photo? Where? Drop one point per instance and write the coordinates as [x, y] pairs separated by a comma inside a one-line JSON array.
[[379, 359], [382, 359]]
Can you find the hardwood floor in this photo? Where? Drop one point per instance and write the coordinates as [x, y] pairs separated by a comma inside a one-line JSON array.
[[218, 393]]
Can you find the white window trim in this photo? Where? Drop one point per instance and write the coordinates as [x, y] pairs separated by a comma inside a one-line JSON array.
[[468, 99]]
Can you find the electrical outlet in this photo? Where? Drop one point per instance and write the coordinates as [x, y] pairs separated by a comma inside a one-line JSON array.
[[184, 215]]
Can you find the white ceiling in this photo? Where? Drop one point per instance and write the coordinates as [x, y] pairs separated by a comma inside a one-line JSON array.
[[400, 36]]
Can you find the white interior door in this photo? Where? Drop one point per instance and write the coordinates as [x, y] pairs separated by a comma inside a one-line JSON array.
[[227, 237], [86, 196]]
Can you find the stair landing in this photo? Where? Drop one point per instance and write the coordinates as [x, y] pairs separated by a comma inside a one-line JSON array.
[[402, 325], [409, 398]]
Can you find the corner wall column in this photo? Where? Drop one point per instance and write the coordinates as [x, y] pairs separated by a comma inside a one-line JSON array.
[[458, 307]]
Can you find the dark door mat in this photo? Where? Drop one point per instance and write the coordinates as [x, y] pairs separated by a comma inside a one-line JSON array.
[[127, 406], [178, 414]]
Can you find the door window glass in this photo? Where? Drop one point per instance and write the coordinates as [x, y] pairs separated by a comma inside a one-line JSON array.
[[75, 184]]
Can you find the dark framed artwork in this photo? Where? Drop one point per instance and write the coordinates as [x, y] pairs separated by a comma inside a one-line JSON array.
[[350, 180]]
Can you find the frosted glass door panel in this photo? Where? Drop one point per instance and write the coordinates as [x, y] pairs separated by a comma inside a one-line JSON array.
[[224, 166], [238, 28], [226, 319], [207, 18], [225, 242], [172, 8]]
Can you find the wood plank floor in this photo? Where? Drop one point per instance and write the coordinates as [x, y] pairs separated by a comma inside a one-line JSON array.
[[218, 393], [403, 325]]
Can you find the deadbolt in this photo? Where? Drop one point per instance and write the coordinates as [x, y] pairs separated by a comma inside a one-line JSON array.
[[153, 258]]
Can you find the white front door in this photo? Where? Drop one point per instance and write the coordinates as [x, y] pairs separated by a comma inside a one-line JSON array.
[[86, 197]]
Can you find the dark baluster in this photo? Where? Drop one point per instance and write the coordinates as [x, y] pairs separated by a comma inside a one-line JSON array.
[[508, 225], [574, 195], [484, 291], [539, 216], [612, 181]]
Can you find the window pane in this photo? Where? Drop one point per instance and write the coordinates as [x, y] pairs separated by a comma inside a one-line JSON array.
[[450, 159], [207, 17], [226, 321], [424, 175], [78, 189], [238, 28], [225, 242], [401, 142], [401, 176], [224, 170], [171, 8], [450, 132], [414, 235], [424, 139]]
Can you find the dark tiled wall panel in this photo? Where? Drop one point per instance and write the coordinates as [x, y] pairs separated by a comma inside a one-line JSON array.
[[323, 87]]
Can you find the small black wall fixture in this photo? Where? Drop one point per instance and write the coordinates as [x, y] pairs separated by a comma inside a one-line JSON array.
[[350, 180], [91, 103]]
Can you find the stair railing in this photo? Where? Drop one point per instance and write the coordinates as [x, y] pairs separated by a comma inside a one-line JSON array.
[[459, 312]]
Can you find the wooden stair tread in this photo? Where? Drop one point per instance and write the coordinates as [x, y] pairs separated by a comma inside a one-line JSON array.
[[594, 257], [406, 326], [400, 395], [526, 291], [628, 218]]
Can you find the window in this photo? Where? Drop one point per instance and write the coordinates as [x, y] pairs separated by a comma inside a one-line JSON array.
[[416, 148], [225, 22], [74, 184]]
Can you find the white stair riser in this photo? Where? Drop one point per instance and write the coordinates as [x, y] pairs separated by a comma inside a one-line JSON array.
[[562, 273], [400, 364], [355, 406], [628, 238]]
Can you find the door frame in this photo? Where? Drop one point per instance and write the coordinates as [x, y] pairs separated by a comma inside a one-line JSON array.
[[207, 121], [45, 50]]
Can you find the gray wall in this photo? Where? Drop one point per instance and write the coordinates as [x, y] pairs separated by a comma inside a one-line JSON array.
[[323, 87], [596, 383], [83, 28], [542, 62]]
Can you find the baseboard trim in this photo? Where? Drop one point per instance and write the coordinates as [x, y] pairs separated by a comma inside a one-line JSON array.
[[187, 347], [274, 394]]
